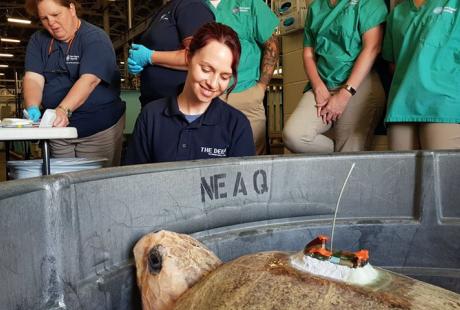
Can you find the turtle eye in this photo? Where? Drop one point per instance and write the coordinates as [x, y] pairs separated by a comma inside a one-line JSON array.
[[155, 261]]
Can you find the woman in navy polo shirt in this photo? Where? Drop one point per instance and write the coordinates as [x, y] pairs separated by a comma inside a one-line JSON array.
[[71, 67], [196, 124], [160, 56]]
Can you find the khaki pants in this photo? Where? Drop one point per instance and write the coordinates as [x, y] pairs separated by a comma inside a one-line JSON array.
[[251, 103], [304, 132], [427, 136], [107, 144]]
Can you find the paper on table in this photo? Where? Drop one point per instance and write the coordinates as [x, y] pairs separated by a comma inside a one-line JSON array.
[[16, 123], [48, 118]]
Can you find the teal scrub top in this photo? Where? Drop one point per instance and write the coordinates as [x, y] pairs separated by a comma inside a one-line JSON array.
[[254, 23], [335, 33], [424, 43]]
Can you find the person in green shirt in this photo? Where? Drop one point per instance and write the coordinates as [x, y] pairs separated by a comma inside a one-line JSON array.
[[343, 99], [255, 25], [422, 40]]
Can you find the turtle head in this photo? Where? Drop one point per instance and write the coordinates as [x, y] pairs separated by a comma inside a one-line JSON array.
[[167, 265]]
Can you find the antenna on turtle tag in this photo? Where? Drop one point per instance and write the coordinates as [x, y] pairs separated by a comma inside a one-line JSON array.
[[337, 206]]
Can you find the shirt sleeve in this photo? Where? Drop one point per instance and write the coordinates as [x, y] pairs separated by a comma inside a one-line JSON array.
[[387, 48], [34, 58], [265, 21], [192, 15], [98, 57], [242, 140], [307, 33], [138, 151], [373, 13]]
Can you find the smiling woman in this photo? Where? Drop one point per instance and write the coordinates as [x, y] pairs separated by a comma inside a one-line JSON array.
[[71, 67], [196, 124]]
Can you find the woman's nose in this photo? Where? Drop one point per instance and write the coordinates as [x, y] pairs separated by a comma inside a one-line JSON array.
[[213, 81], [51, 21]]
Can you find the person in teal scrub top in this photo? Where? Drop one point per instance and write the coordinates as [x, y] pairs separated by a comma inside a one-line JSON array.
[[343, 99], [255, 24], [423, 41]]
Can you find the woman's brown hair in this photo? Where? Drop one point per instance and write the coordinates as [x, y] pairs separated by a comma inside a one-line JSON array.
[[32, 6], [223, 34]]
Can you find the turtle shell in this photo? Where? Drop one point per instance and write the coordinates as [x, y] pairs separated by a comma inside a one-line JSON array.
[[268, 281]]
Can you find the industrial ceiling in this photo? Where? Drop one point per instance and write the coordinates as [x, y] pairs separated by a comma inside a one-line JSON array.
[[109, 15]]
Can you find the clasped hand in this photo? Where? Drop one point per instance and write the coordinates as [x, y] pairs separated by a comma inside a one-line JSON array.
[[331, 107], [139, 57]]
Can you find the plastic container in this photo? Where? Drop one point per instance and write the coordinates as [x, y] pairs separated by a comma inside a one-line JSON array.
[[22, 169], [66, 240]]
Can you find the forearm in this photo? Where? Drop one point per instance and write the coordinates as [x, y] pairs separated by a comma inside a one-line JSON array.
[[32, 89], [372, 41], [362, 66], [80, 92], [269, 59], [170, 59]]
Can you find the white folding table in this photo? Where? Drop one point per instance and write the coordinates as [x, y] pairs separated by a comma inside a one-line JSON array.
[[43, 134]]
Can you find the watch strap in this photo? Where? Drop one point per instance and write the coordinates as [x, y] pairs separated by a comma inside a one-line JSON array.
[[350, 89], [66, 110]]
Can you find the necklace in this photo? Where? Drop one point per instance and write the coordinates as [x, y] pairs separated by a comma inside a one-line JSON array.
[[50, 47]]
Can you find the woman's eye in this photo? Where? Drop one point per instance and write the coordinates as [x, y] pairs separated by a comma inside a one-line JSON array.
[[225, 77], [205, 69]]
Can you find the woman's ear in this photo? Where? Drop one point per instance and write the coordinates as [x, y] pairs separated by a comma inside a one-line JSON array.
[[73, 9]]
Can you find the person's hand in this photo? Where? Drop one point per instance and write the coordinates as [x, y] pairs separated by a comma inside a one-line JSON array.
[[141, 55], [61, 119], [133, 67], [34, 113], [322, 96], [335, 106]]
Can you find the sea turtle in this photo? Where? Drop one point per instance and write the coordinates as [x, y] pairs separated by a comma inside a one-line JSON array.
[[174, 271]]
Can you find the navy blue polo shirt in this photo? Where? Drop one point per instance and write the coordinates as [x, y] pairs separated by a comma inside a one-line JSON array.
[[163, 134], [175, 21], [61, 65]]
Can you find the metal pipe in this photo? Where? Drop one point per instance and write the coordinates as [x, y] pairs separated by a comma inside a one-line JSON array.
[[17, 96], [106, 16], [130, 14]]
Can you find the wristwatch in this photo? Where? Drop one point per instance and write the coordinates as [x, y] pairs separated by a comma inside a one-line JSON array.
[[66, 110], [350, 89]]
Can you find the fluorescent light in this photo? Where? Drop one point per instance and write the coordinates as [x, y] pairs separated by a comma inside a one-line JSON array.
[[2, 74], [10, 40], [4, 66], [19, 20], [122, 80], [122, 62], [6, 55]]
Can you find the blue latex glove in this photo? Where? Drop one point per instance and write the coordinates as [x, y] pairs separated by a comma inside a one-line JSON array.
[[133, 67], [34, 113], [141, 55]]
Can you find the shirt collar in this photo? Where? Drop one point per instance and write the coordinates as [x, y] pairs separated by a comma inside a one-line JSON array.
[[210, 117]]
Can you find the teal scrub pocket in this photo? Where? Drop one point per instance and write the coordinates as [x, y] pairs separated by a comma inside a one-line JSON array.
[[437, 28]]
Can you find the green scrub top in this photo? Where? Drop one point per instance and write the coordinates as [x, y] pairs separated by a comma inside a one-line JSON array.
[[424, 43], [335, 33], [254, 23]]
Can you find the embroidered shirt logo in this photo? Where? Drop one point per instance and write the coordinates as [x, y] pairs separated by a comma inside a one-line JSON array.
[[72, 59], [446, 9], [165, 16], [215, 152], [353, 2], [241, 9]]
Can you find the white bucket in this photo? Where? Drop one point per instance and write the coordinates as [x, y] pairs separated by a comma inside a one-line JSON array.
[[21, 169]]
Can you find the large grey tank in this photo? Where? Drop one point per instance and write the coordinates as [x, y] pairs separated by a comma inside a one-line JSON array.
[[66, 240]]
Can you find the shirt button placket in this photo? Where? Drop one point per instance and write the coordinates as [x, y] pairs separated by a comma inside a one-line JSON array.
[[183, 151]]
